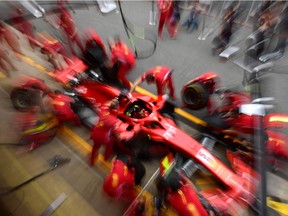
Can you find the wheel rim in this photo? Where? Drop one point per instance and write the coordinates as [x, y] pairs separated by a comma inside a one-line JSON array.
[[191, 96], [22, 101]]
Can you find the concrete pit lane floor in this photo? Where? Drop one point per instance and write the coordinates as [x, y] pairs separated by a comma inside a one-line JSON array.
[[81, 183]]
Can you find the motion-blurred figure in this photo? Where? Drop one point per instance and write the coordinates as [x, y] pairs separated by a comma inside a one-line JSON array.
[[174, 18], [282, 32], [103, 132], [270, 22], [176, 190], [25, 26], [95, 51], [161, 76], [263, 8], [61, 108], [220, 42], [55, 52], [38, 90], [122, 60], [67, 24], [4, 58], [126, 173], [9, 36], [264, 28], [165, 8], [109, 131], [180, 194], [35, 128], [192, 21]]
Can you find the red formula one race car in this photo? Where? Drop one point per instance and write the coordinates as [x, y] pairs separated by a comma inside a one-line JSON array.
[[142, 114]]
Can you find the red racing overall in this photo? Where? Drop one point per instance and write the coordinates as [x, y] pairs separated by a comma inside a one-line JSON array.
[[119, 184], [186, 202], [162, 77], [54, 48], [62, 108], [4, 58], [37, 84], [93, 36], [95, 51], [165, 8], [38, 90], [102, 134], [24, 26], [68, 25], [10, 37], [125, 57]]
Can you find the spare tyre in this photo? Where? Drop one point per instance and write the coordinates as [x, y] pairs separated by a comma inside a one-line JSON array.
[[195, 96]]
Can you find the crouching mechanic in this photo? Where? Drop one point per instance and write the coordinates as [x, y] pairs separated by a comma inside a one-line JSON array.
[[61, 107], [111, 130], [175, 189], [126, 173], [38, 90], [161, 76]]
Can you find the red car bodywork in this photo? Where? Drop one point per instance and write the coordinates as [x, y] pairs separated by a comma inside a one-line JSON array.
[[276, 120], [240, 184], [277, 143], [65, 76]]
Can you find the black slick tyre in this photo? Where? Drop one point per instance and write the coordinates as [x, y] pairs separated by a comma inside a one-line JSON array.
[[195, 96], [21, 99]]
